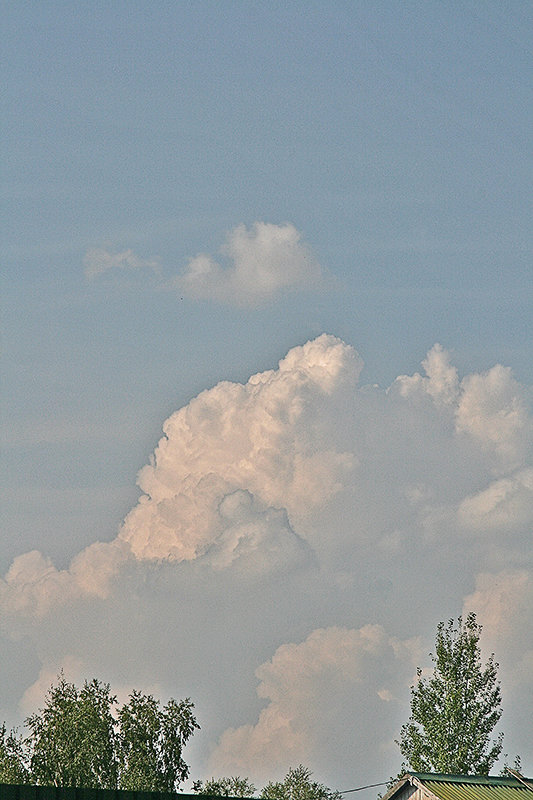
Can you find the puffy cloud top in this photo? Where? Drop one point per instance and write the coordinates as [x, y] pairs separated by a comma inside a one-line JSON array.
[[266, 437]]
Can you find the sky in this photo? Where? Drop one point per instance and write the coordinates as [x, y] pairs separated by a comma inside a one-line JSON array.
[[267, 364]]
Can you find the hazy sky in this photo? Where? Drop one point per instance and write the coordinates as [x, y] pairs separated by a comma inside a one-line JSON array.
[[295, 237]]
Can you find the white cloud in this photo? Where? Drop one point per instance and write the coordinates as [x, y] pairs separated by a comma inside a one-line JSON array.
[[503, 602], [490, 408], [259, 539], [74, 670], [493, 410], [258, 263], [35, 695], [315, 686], [441, 382], [235, 449], [301, 501], [263, 261], [97, 260], [267, 437], [505, 504], [33, 586]]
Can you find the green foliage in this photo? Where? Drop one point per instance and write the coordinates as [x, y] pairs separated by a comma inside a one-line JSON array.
[[454, 712], [297, 785], [517, 765], [13, 767], [234, 786], [81, 739], [72, 739], [151, 741]]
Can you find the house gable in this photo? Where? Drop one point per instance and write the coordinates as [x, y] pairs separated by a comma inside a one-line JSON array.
[[433, 786]]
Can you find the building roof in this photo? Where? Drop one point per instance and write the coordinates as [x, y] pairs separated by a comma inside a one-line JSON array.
[[433, 786]]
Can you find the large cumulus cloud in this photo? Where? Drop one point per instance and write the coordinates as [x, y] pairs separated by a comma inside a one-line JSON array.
[[316, 527]]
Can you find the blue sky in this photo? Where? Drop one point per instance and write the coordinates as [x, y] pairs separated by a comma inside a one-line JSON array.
[[385, 145]]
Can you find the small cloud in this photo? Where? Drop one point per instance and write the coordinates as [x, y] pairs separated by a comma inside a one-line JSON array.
[[97, 261], [264, 260]]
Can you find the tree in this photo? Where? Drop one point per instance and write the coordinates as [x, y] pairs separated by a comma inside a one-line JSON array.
[[455, 710], [72, 739], [81, 738], [151, 742], [234, 786], [13, 767], [297, 785]]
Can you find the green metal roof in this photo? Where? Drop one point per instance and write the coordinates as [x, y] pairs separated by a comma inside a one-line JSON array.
[[475, 787]]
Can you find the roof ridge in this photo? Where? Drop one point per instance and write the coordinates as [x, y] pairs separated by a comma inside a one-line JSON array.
[[502, 780]]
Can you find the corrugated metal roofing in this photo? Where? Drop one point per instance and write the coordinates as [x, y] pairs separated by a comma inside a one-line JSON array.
[[476, 787], [492, 780]]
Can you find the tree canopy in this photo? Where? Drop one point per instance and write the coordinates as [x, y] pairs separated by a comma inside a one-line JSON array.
[[12, 766], [297, 785], [455, 710], [233, 786], [151, 742], [82, 738], [72, 739]]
